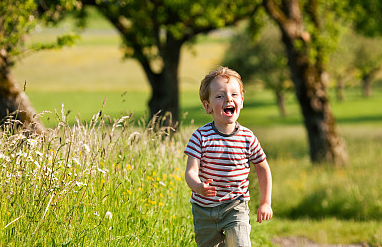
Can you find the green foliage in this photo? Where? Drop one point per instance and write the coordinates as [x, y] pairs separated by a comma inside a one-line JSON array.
[[366, 16], [262, 60], [146, 27], [17, 20]]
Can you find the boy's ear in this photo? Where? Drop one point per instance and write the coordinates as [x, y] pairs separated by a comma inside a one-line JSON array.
[[207, 106], [242, 101]]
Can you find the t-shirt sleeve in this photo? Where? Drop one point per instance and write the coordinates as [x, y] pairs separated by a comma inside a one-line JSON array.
[[194, 146], [257, 154]]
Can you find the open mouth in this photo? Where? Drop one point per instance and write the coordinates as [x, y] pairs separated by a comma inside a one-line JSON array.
[[229, 110]]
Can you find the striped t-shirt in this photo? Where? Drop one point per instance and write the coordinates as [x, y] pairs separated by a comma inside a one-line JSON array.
[[225, 159]]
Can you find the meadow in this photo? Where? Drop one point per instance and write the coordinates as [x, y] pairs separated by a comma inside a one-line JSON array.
[[101, 176]]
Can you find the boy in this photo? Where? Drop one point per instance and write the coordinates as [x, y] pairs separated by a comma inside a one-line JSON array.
[[219, 156]]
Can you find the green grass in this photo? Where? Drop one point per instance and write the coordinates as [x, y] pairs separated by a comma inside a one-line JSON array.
[[325, 204]]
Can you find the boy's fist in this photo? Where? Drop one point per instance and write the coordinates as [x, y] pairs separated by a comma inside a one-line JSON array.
[[264, 212], [206, 189]]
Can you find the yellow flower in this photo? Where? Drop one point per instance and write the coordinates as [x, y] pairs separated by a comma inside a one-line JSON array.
[[154, 174], [129, 192], [160, 204], [161, 195], [170, 189], [140, 189], [171, 195], [174, 217], [176, 169], [103, 181], [171, 183], [129, 167]]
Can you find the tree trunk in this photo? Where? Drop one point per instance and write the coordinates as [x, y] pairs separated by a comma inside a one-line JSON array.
[[164, 100], [15, 105], [340, 89], [281, 103], [366, 85], [309, 80]]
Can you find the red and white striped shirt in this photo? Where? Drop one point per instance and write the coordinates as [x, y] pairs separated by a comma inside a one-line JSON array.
[[225, 159]]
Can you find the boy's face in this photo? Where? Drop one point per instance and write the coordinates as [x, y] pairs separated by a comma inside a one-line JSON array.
[[225, 101]]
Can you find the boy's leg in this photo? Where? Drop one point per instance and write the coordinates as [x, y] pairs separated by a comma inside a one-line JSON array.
[[237, 228], [206, 232]]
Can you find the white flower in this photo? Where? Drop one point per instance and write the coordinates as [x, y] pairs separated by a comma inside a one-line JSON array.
[[100, 170], [79, 184], [86, 147], [32, 142], [109, 215], [76, 161]]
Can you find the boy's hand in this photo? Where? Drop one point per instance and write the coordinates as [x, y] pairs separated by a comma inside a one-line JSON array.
[[207, 190], [264, 212]]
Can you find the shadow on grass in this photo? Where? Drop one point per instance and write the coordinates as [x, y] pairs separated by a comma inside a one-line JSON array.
[[335, 202]]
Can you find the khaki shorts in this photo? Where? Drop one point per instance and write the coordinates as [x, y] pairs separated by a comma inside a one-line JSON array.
[[224, 225]]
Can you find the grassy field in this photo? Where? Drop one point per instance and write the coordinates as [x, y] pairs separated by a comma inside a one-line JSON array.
[[97, 185]]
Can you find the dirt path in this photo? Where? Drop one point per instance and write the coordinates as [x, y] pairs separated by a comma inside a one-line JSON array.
[[304, 242]]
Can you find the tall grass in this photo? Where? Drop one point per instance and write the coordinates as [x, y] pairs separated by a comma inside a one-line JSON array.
[[99, 184], [104, 183]]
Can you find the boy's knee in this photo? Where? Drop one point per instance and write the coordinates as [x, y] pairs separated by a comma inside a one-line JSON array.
[[238, 236]]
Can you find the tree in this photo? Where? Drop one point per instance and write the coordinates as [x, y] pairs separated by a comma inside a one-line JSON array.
[[262, 60], [367, 61], [304, 27], [154, 31], [18, 19]]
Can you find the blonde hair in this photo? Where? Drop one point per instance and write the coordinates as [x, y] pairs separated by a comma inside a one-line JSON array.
[[204, 90]]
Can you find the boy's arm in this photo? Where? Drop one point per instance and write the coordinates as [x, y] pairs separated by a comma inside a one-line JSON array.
[[265, 182], [192, 178]]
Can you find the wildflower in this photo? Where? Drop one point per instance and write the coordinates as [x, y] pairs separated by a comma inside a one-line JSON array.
[[32, 142], [86, 147], [160, 204], [129, 192], [96, 213], [154, 174], [100, 170], [103, 181], [161, 195], [79, 184], [158, 179], [163, 184], [109, 215], [129, 167], [174, 217], [19, 137], [76, 161]]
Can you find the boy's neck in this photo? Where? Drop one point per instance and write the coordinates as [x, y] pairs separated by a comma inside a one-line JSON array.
[[227, 129]]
